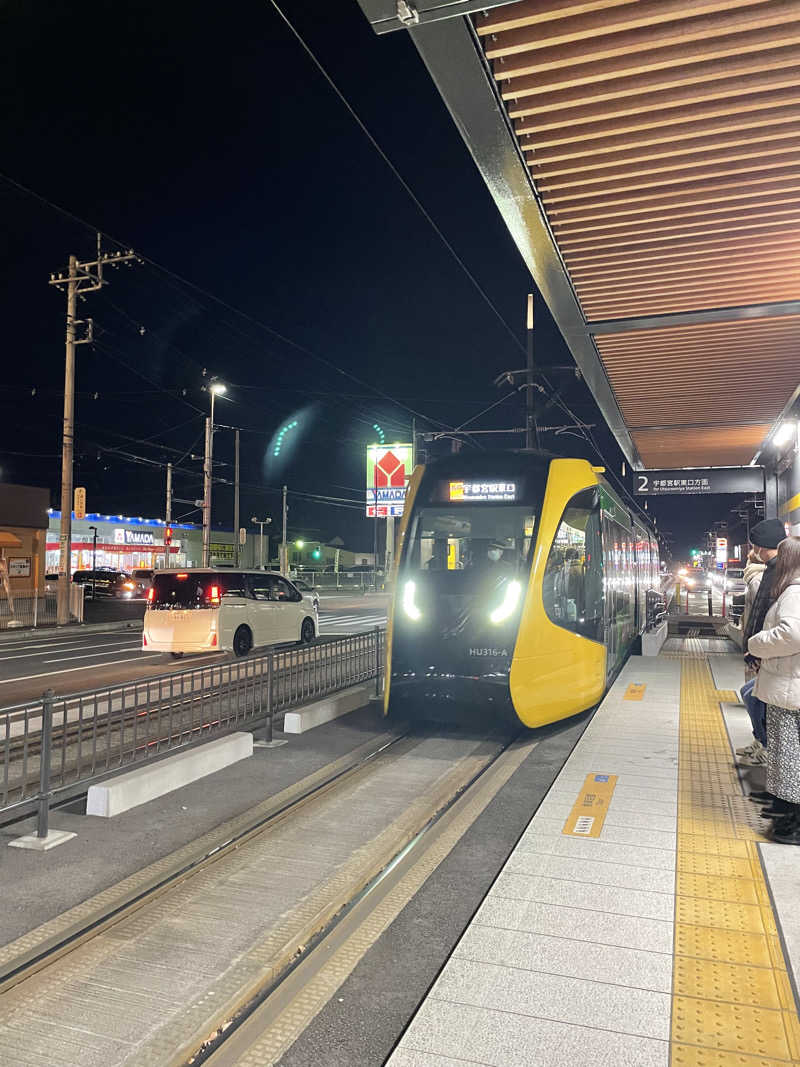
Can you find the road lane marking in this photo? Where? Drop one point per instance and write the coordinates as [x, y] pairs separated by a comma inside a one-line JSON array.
[[66, 670], [92, 655], [51, 651]]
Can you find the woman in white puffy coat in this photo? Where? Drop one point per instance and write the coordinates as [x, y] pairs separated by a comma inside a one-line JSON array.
[[778, 685]]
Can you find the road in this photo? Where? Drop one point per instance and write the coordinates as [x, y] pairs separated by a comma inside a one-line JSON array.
[[73, 661]]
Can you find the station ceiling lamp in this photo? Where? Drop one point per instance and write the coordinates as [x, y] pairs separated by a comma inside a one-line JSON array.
[[784, 434]]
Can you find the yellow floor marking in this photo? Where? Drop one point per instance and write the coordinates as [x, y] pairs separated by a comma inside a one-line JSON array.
[[733, 1004], [635, 691], [589, 811]]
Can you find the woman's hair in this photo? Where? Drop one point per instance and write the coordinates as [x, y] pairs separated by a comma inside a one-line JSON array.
[[787, 565]]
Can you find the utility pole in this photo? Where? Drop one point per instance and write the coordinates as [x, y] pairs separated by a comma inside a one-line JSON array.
[[530, 424], [168, 514], [168, 503], [284, 552], [81, 277], [236, 499]]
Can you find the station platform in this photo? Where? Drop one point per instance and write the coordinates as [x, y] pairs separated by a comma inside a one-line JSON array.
[[642, 919]]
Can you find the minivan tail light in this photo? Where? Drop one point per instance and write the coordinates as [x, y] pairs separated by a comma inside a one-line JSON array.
[[181, 576], [213, 594], [151, 593]]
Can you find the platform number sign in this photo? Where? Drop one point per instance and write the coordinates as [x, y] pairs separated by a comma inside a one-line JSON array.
[[695, 480]]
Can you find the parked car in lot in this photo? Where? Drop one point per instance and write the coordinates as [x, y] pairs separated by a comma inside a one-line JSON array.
[[205, 610], [106, 581]]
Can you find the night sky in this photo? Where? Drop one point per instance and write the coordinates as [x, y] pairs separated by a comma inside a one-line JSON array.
[[202, 136]]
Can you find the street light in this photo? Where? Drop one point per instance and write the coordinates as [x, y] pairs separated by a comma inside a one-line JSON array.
[[261, 523], [94, 562], [215, 389]]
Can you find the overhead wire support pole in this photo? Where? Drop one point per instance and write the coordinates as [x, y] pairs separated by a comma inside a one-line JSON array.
[[236, 543], [531, 436], [81, 277]]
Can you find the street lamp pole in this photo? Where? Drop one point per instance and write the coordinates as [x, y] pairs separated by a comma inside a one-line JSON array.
[[215, 389], [94, 561], [261, 523]]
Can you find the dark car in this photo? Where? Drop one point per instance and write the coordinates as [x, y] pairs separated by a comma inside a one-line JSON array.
[[105, 581]]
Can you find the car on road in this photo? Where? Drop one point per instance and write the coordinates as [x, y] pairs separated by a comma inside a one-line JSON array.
[[106, 581], [143, 576], [733, 581], [310, 592], [203, 609], [696, 580]]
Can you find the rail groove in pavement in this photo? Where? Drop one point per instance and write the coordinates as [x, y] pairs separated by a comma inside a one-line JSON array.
[[193, 939]]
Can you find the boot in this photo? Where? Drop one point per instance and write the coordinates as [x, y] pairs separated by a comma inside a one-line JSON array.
[[787, 831], [777, 809], [761, 798]]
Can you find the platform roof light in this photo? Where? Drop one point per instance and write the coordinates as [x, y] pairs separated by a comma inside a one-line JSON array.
[[784, 434]]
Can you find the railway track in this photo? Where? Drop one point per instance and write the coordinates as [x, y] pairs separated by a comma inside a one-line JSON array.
[[412, 793]]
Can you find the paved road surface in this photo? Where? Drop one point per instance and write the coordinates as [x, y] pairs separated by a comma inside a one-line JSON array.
[[73, 661]]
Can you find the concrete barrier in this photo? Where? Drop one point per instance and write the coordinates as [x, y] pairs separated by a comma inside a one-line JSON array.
[[652, 640], [297, 722], [155, 779]]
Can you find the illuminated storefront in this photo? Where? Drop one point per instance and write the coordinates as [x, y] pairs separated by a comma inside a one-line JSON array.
[[125, 543]]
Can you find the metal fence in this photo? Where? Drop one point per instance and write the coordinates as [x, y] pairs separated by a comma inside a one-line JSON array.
[[30, 608], [55, 744]]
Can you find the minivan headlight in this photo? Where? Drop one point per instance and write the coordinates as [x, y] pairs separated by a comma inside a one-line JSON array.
[[509, 605], [409, 606]]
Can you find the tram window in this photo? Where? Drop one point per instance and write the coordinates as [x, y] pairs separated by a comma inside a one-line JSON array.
[[474, 539], [572, 589]]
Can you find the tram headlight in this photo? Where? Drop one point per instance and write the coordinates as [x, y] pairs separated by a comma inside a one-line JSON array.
[[509, 605], [409, 607]]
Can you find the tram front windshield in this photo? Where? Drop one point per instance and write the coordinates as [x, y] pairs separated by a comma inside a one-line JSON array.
[[477, 540]]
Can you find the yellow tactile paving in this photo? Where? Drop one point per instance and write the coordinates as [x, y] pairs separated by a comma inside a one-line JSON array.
[[733, 1003]]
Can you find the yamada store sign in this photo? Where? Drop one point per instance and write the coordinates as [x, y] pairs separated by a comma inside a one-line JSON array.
[[388, 471], [135, 538]]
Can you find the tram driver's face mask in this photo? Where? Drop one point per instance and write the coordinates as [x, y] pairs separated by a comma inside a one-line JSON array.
[[495, 554]]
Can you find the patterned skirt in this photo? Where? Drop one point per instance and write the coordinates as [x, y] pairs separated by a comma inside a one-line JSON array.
[[783, 753]]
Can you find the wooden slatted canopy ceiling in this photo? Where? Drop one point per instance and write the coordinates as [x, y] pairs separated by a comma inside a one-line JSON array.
[[663, 139], [645, 156]]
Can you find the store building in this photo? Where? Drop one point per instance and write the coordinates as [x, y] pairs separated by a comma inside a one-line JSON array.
[[23, 530]]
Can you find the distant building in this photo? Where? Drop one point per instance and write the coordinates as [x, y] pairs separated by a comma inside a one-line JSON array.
[[129, 543], [23, 533]]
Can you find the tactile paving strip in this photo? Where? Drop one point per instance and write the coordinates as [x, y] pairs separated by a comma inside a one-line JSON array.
[[733, 1004]]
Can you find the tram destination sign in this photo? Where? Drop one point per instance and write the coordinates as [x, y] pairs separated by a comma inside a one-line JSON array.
[[696, 480]]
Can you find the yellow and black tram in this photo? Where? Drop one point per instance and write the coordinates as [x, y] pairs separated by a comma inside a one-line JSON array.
[[521, 587]]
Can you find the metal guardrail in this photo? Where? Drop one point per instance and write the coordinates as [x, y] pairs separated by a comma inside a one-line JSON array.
[[31, 608], [56, 743]]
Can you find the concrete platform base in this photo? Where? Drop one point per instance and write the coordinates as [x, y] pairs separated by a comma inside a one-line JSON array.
[[42, 844], [297, 722], [269, 744], [148, 782], [653, 640]]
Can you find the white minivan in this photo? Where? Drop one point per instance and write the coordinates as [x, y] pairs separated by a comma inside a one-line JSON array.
[[207, 610]]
